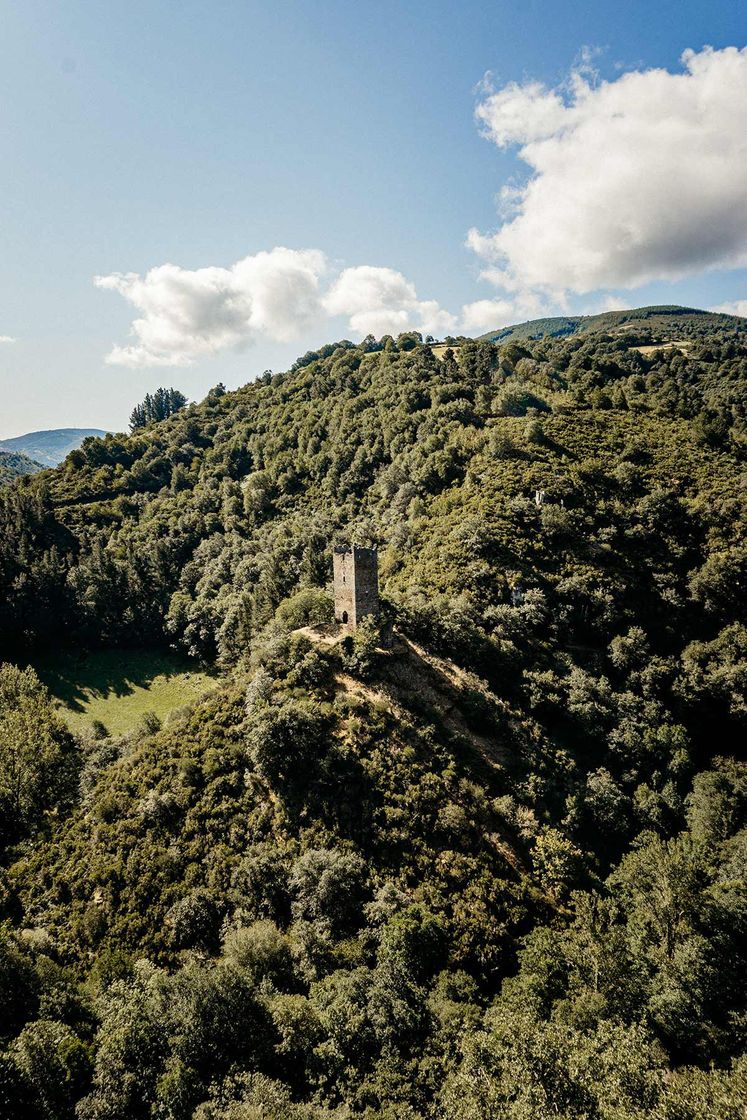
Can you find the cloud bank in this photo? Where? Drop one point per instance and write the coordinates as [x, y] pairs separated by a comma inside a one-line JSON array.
[[381, 301], [6, 338], [189, 313], [186, 314], [638, 179]]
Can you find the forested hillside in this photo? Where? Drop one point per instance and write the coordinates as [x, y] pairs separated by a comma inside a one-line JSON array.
[[495, 871], [658, 322], [13, 465]]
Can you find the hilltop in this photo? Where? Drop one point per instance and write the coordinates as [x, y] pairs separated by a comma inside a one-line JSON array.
[[658, 323], [50, 447], [13, 465], [502, 860]]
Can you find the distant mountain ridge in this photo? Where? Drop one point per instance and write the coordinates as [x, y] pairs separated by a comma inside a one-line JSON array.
[[50, 447], [660, 320]]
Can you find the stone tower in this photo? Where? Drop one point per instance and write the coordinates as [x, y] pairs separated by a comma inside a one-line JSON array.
[[356, 577]]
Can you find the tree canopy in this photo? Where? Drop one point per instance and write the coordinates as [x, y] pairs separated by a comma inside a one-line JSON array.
[[156, 406]]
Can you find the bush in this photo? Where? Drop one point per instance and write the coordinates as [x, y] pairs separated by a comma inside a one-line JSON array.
[[39, 758], [516, 400], [193, 921], [329, 886], [308, 607], [285, 742], [262, 951]]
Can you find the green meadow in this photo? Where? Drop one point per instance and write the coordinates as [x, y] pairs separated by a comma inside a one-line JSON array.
[[119, 687]]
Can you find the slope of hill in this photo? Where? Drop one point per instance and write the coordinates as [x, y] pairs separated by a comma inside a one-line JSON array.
[[495, 870], [51, 447], [13, 465], [651, 323]]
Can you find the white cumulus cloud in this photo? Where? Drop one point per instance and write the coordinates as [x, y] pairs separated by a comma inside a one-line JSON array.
[[488, 314], [606, 302], [6, 338], [633, 180], [186, 314], [381, 301]]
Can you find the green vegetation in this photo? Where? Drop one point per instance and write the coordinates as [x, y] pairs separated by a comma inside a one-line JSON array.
[[496, 872], [38, 756], [13, 465], [657, 320], [119, 688], [155, 407]]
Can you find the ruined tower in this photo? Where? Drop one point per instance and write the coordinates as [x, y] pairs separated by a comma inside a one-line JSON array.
[[356, 578]]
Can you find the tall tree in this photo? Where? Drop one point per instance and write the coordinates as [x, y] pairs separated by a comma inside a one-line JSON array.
[[156, 406]]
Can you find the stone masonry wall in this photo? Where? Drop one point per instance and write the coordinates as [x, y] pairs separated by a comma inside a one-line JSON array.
[[356, 583]]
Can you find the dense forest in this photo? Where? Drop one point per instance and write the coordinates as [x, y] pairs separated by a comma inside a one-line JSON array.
[[495, 871]]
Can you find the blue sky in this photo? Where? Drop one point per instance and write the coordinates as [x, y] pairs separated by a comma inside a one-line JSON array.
[[135, 135]]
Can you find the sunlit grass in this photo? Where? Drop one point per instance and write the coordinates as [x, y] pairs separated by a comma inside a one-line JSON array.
[[118, 687]]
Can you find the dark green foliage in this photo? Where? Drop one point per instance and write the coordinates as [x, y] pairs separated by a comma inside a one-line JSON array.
[[39, 759], [157, 406], [14, 465], [661, 318]]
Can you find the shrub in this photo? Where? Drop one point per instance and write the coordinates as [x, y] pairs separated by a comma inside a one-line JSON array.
[[307, 607]]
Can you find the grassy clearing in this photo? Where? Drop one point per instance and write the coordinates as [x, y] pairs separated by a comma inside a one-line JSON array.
[[681, 346], [440, 348], [118, 687]]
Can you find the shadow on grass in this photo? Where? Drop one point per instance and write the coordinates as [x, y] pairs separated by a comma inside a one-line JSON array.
[[76, 677]]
